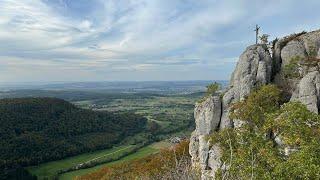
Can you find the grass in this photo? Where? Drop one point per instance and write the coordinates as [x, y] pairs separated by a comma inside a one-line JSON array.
[[145, 151], [50, 169], [172, 113]]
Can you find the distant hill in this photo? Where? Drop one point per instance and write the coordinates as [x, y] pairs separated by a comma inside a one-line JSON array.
[[35, 130], [158, 87]]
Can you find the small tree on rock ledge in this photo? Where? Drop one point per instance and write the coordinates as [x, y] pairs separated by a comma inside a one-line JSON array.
[[213, 88]]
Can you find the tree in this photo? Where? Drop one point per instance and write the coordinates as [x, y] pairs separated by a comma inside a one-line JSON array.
[[264, 39], [213, 88]]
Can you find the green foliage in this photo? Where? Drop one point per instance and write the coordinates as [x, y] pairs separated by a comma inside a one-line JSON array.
[[173, 163], [213, 88], [36, 130], [300, 129], [141, 153], [250, 151], [16, 173], [265, 100], [291, 70]]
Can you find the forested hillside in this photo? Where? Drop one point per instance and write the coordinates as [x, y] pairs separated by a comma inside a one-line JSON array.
[[35, 130]]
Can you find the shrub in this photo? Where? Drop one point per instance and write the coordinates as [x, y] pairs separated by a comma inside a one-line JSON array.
[[213, 88], [291, 70], [251, 152], [265, 100]]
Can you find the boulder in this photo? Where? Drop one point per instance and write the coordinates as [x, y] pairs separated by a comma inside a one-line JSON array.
[[207, 115], [308, 91]]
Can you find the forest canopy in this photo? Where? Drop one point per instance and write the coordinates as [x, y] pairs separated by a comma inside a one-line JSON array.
[[35, 130]]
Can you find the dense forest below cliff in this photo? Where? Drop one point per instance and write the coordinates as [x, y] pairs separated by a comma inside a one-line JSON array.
[[35, 130]]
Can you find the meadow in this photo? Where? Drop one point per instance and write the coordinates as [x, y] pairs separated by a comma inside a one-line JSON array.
[[143, 152], [51, 169]]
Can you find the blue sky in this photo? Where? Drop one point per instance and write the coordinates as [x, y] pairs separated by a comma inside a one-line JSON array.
[[111, 40]]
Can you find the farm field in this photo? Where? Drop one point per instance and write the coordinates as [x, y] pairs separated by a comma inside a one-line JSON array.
[[51, 169], [171, 112], [145, 151], [168, 114]]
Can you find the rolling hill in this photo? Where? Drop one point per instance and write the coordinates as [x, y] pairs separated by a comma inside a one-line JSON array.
[[36, 130]]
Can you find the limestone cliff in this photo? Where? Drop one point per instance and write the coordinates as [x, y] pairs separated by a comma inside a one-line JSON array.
[[255, 67]]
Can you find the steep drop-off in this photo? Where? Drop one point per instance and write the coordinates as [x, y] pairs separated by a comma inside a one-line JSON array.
[[257, 67]]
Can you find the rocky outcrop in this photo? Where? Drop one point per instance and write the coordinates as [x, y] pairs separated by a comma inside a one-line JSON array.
[[308, 91], [207, 115], [305, 46], [254, 68], [302, 45]]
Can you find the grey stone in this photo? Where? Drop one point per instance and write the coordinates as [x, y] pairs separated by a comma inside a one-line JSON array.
[[308, 91], [207, 115], [214, 160], [293, 49], [254, 68]]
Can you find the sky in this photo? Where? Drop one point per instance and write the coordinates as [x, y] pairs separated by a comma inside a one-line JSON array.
[[138, 40]]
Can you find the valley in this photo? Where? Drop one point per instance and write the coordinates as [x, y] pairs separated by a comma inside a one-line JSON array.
[[168, 114]]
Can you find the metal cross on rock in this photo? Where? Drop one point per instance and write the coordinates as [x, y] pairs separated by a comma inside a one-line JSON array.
[[257, 33]]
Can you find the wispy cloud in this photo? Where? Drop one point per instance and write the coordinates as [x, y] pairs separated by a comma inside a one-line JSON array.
[[137, 39]]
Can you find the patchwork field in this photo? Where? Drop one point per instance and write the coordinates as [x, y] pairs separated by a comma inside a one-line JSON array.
[[172, 114], [169, 114]]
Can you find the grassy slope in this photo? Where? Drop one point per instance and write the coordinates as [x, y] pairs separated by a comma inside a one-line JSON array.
[[139, 154], [51, 168]]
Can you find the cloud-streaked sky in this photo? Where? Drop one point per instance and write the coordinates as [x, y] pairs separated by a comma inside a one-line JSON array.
[[110, 40]]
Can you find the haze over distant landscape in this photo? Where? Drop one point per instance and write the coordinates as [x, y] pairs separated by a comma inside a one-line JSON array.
[[64, 40], [159, 89]]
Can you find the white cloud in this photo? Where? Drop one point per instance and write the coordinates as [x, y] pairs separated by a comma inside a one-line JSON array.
[[138, 35]]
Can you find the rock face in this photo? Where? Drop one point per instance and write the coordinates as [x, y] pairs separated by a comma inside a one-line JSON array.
[[254, 68], [306, 88], [207, 115], [308, 91]]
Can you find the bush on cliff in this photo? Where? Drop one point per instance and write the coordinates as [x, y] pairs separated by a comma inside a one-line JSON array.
[[211, 90], [274, 142]]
